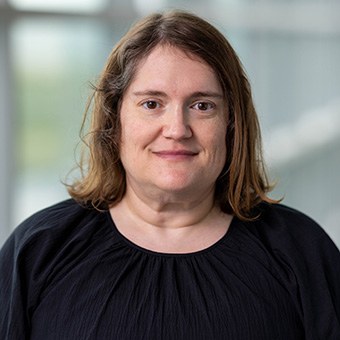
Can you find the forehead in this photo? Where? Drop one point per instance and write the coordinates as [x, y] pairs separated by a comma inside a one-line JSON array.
[[169, 65]]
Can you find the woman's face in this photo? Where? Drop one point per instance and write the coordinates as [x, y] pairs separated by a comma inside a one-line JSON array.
[[173, 123]]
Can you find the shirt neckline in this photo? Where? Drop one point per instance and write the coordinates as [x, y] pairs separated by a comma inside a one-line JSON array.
[[139, 248]]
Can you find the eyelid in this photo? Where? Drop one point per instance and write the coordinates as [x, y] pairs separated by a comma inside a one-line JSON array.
[[145, 101], [207, 102]]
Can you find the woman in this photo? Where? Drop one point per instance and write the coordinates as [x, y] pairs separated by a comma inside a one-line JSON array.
[[170, 233]]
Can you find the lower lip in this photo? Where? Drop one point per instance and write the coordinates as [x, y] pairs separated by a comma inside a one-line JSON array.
[[175, 156]]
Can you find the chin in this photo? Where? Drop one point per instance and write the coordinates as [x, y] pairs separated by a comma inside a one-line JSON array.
[[179, 186]]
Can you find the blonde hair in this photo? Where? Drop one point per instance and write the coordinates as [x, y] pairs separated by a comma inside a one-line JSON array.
[[242, 184]]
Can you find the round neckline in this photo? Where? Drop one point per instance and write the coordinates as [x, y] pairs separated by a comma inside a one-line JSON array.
[[137, 247]]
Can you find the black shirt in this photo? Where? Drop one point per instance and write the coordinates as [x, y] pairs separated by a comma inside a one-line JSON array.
[[67, 273]]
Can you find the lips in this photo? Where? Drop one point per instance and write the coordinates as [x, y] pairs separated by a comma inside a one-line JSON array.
[[176, 154]]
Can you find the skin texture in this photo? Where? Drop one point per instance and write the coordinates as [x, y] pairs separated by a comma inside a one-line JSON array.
[[173, 119]]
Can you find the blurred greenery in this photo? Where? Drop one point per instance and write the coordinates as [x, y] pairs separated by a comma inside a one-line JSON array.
[[51, 111]]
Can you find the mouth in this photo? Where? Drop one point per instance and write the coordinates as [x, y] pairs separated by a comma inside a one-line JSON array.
[[175, 154]]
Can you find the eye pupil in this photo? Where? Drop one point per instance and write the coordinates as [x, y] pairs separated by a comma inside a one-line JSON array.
[[151, 104], [203, 106]]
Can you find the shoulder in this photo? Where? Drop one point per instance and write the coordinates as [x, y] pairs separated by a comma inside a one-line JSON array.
[[288, 224], [52, 218], [282, 215], [53, 225], [38, 253], [295, 240], [50, 240], [308, 262]]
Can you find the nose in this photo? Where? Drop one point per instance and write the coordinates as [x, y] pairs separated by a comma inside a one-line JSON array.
[[177, 125]]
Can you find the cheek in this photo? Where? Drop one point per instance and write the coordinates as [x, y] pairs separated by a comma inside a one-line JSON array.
[[128, 142], [130, 126], [218, 145], [136, 136], [215, 137]]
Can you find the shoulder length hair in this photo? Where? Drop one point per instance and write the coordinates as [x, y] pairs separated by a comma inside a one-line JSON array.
[[242, 184]]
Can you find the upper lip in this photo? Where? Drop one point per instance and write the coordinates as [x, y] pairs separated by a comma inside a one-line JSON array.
[[176, 152]]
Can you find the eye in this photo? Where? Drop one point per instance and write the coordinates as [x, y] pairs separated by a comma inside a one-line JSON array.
[[203, 106], [150, 105]]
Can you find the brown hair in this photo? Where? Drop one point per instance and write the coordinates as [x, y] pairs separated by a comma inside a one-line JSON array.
[[243, 182]]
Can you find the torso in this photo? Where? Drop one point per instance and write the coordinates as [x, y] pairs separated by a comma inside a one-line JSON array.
[[79, 277], [111, 288]]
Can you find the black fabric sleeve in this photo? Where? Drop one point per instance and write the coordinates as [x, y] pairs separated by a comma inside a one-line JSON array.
[[27, 260], [320, 286], [14, 288], [312, 260]]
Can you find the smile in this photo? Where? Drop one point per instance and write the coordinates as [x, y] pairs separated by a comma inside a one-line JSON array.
[[175, 154]]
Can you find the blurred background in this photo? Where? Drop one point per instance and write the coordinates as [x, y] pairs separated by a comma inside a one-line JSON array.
[[50, 52]]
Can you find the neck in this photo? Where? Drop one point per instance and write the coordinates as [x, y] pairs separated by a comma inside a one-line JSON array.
[[170, 223], [169, 210]]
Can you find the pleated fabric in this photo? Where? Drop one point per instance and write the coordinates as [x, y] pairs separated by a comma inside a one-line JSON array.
[[67, 273]]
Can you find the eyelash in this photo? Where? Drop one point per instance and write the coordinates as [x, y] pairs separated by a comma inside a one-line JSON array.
[[211, 106], [156, 105], [145, 104]]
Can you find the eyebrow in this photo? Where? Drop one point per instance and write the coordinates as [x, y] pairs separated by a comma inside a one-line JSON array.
[[198, 94]]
